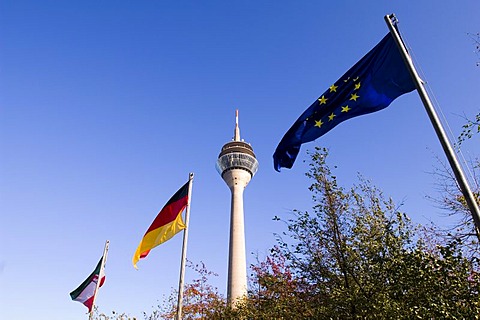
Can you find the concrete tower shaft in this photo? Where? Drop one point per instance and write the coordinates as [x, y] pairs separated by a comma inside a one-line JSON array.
[[237, 165]]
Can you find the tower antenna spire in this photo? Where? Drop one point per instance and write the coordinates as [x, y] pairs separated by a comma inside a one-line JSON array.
[[236, 134]]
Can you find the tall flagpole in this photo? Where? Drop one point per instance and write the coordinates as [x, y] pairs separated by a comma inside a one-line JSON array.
[[184, 251], [447, 148], [102, 266]]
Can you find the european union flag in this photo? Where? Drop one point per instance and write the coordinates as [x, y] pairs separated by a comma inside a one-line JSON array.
[[370, 85]]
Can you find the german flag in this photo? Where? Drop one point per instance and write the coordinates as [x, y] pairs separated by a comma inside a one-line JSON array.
[[168, 222]]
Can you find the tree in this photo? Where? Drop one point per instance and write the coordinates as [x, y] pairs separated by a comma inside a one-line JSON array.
[[357, 256], [451, 198]]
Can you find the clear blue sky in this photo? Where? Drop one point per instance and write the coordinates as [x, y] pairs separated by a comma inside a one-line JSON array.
[[106, 106]]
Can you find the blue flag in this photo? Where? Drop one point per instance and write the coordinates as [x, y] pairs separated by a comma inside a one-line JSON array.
[[370, 85]]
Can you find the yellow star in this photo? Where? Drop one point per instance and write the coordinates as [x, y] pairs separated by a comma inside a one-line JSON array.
[[346, 109], [357, 86], [318, 123], [346, 79], [356, 79], [323, 100], [354, 97], [330, 117], [333, 88]]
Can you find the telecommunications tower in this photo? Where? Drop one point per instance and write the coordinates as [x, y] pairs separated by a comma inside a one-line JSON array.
[[237, 165]]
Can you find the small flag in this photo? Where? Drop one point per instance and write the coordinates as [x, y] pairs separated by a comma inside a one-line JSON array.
[[168, 222], [85, 293], [370, 85]]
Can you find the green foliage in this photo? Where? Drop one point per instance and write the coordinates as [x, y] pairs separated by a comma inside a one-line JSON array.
[[358, 256], [440, 284]]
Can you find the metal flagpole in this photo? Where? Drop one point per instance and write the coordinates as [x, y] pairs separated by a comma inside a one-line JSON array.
[[447, 148], [184, 251], [102, 266]]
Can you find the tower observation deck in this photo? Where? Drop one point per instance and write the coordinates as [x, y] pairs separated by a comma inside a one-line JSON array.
[[237, 165], [237, 154]]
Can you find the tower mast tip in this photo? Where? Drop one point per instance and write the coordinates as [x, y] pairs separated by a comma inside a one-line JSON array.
[[236, 135]]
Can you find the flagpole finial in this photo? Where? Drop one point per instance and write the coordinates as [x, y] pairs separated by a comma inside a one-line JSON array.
[[392, 18]]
